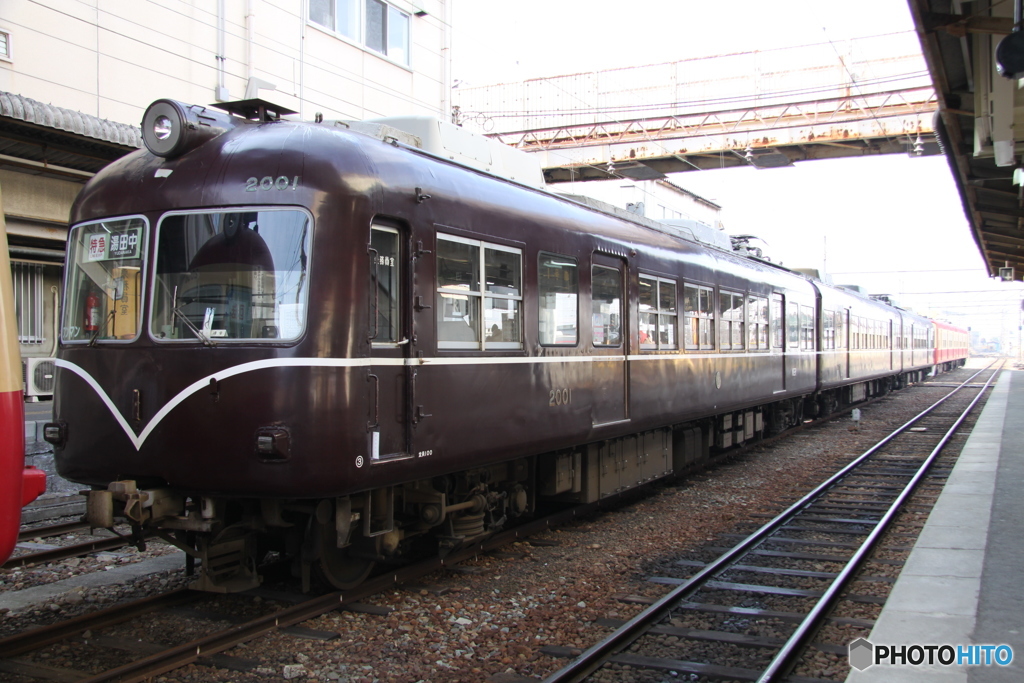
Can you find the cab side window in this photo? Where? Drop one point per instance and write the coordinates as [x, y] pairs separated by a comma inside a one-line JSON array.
[[384, 272]]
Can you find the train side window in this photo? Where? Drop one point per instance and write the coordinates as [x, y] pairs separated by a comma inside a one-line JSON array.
[[840, 330], [757, 309], [778, 335], [558, 291], [828, 332], [730, 329], [503, 295], [475, 312], [458, 288], [793, 325], [606, 296], [657, 313], [807, 328], [698, 317]]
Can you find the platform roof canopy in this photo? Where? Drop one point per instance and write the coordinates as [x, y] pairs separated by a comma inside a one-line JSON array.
[[45, 140], [982, 114]]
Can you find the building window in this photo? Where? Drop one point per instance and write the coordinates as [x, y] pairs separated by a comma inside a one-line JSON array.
[[28, 301], [474, 311], [5, 45], [373, 23], [699, 317], [657, 313]]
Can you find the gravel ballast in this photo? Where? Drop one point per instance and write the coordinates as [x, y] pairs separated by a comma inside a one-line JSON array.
[[470, 626]]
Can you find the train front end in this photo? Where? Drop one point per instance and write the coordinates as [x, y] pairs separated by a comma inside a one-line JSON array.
[[200, 383]]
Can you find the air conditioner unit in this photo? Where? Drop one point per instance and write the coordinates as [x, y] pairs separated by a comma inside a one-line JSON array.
[[39, 375]]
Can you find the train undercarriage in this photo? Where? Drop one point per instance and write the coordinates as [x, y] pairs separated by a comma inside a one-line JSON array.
[[337, 543]]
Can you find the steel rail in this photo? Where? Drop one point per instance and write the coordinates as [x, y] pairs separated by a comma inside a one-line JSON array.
[[786, 657], [54, 633], [181, 655], [53, 554], [51, 530], [594, 657]]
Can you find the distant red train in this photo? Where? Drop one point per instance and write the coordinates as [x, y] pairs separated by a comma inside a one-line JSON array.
[[951, 345], [19, 485]]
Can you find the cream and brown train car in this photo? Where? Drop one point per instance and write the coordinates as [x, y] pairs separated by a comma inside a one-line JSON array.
[[19, 485]]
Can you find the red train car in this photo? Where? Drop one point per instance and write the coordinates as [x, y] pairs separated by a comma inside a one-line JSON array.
[[951, 345], [19, 485]]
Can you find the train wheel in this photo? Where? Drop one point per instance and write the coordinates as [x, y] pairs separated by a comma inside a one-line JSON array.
[[344, 568]]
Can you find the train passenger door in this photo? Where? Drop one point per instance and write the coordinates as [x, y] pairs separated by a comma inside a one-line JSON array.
[[778, 331], [849, 341], [892, 348], [610, 368], [388, 376]]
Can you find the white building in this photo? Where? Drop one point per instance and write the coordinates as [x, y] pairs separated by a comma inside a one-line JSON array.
[[77, 75]]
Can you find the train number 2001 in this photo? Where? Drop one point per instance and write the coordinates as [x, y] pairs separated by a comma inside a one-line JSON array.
[[270, 183], [559, 397]]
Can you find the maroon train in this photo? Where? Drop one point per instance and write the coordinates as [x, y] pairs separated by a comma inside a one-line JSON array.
[[340, 341]]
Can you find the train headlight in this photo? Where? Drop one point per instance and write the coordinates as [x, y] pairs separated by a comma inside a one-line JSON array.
[[163, 128], [55, 433], [171, 128]]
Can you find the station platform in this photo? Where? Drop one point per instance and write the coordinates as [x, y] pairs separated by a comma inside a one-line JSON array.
[[963, 584]]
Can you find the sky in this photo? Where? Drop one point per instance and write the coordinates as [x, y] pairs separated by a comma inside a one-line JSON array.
[[893, 224]]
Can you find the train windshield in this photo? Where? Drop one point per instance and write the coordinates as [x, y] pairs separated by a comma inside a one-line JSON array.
[[104, 281], [231, 275]]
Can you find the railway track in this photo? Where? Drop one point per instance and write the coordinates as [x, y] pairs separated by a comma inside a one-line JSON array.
[[110, 638], [51, 530], [54, 554], [819, 544], [156, 659]]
